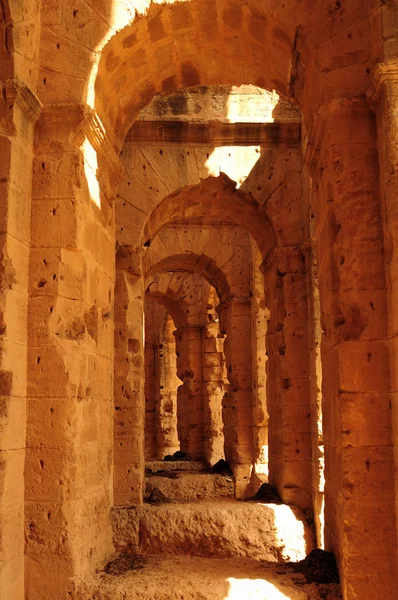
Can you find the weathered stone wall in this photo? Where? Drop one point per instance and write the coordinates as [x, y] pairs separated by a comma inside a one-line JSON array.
[[68, 471], [359, 465], [103, 57], [19, 111]]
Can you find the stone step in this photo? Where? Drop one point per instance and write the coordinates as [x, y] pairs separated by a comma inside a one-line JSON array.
[[175, 465], [214, 528], [191, 486], [189, 578]]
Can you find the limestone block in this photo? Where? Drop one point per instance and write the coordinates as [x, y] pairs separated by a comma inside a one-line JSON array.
[[365, 418], [48, 473], [366, 472], [237, 529], [54, 223], [12, 422], [14, 212], [355, 360], [11, 543], [56, 176], [46, 369], [15, 317], [52, 422], [190, 486]]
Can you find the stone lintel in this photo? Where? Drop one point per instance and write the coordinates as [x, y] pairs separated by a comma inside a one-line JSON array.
[[15, 93], [214, 133]]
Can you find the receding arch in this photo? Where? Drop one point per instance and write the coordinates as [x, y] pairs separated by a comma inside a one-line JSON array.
[[214, 197], [185, 44], [202, 264], [174, 307]]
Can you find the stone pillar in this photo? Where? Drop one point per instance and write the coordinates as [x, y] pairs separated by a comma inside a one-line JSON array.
[[129, 454], [68, 469], [213, 392], [360, 524], [260, 315], [19, 111], [151, 380], [189, 370], [385, 98], [235, 319], [288, 376], [167, 437], [315, 381]]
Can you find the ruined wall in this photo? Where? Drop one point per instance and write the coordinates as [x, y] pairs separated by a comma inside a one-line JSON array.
[[313, 53], [19, 111], [70, 363], [356, 378]]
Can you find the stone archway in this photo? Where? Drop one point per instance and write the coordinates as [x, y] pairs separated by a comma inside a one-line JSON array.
[[317, 72]]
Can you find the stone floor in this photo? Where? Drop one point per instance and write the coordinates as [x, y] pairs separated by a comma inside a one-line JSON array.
[[194, 578], [205, 545]]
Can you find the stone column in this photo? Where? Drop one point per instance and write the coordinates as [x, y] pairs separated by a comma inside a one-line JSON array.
[[129, 455], [315, 381], [68, 469], [385, 104], [213, 392], [151, 380], [189, 370], [19, 111], [235, 319], [288, 376], [167, 437], [260, 315], [360, 524]]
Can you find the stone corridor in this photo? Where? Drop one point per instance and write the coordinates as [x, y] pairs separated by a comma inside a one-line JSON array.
[[198, 255]]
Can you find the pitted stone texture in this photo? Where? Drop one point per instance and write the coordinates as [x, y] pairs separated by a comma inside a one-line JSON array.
[[214, 528], [175, 465], [188, 578], [192, 486]]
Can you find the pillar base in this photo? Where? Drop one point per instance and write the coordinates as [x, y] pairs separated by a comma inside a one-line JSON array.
[[242, 477]]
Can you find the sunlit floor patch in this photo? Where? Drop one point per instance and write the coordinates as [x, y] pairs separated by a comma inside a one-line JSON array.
[[254, 589]]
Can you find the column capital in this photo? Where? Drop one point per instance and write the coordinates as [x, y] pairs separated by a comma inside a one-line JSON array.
[[129, 258], [287, 259], [91, 128], [383, 74], [15, 93], [233, 300], [186, 328]]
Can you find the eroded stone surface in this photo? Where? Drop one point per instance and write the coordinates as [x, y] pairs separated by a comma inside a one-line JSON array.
[[191, 486], [169, 578], [214, 528], [74, 78]]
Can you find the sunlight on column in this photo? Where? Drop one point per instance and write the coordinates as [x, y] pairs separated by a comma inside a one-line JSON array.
[[253, 589], [90, 171], [261, 466], [289, 533]]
